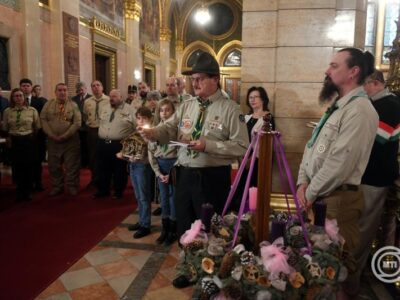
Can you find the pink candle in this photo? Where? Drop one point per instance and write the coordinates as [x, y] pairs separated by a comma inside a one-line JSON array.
[[252, 198]]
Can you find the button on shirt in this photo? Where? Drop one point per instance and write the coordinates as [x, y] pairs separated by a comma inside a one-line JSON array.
[[224, 132], [118, 126], [89, 109], [21, 121], [341, 151]]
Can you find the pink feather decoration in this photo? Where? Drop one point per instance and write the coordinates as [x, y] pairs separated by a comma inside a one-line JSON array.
[[191, 234], [275, 261], [332, 230]]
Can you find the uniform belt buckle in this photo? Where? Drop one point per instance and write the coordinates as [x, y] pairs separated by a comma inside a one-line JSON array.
[[108, 141]]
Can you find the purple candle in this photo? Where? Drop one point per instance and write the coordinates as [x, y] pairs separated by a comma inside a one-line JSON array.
[[319, 213], [207, 211], [277, 229]]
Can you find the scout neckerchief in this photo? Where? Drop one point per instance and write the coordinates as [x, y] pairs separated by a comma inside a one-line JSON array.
[[199, 124], [96, 115], [19, 111], [326, 116], [114, 108], [61, 110]]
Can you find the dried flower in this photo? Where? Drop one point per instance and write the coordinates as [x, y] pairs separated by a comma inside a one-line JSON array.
[[296, 280], [330, 272], [264, 281], [207, 264]]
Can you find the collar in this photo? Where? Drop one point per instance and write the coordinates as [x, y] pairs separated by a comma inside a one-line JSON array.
[[357, 92], [23, 107], [214, 97], [120, 106], [61, 102], [385, 92], [173, 98]]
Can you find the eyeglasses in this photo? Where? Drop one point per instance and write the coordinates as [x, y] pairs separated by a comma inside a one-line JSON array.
[[198, 79], [254, 97]]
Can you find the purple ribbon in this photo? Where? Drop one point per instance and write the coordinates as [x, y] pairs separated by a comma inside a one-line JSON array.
[[289, 177]]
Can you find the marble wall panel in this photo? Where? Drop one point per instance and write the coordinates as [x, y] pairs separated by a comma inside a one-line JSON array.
[[302, 64], [122, 73], [259, 5], [47, 89], [86, 61], [305, 27], [259, 29], [352, 4], [299, 4], [295, 132], [258, 64], [298, 100], [294, 160]]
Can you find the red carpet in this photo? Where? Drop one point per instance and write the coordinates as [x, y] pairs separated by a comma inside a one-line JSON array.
[[41, 239]]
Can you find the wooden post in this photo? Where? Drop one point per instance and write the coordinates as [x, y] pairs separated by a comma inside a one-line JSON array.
[[264, 183]]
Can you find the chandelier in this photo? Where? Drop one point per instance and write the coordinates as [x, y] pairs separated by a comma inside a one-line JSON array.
[[202, 15]]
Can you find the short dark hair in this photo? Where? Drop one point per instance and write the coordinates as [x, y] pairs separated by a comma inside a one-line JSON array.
[[25, 80], [263, 95], [144, 112], [378, 76], [364, 60]]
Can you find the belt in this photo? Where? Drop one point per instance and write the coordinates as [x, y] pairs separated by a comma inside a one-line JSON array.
[[105, 141], [347, 187]]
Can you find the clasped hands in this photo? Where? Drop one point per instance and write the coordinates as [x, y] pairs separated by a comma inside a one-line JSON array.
[[301, 196]]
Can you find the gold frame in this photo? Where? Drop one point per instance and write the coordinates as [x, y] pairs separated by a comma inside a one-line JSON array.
[[112, 55], [152, 67]]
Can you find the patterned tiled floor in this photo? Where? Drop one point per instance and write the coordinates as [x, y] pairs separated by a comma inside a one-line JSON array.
[[121, 267]]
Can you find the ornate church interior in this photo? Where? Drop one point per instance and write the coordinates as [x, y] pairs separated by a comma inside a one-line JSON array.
[[82, 248]]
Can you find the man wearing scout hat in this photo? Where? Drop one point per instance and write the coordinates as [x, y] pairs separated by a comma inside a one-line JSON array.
[[213, 128]]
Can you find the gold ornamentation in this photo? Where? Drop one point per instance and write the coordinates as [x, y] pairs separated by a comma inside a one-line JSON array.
[[133, 10], [106, 29], [165, 34], [134, 147]]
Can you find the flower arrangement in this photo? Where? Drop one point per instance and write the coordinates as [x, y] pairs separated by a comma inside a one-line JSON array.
[[284, 269]]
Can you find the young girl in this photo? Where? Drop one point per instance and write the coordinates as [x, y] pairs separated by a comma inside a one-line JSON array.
[[162, 159], [140, 173]]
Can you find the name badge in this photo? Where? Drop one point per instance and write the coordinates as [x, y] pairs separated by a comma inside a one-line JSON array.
[[214, 125]]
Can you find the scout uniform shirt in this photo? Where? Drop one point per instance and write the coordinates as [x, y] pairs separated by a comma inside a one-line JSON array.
[[61, 119], [157, 150], [91, 110], [116, 123], [20, 121], [224, 132], [341, 150]]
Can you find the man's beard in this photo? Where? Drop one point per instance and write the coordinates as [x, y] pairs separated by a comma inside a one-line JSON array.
[[328, 91]]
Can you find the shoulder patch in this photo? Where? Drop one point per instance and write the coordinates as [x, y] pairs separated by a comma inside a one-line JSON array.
[[241, 118]]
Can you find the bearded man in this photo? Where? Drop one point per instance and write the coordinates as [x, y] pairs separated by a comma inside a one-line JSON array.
[[337, 154]]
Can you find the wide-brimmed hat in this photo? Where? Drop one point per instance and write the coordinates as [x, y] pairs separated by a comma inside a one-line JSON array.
[[205, 63], [132, 89]]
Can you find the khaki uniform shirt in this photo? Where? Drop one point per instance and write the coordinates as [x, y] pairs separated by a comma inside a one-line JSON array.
[[122, 124], [89, 109], [224, 132], [159, 151], [341, 151], [58, 123], [136, 103], [29, 121]]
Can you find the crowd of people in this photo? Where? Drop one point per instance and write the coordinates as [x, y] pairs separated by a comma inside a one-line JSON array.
[[188, 144]]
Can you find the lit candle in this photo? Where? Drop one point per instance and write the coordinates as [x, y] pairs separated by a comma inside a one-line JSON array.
[[207, 211], [146, 126], [319, 213], [277, 229], [253, 199]]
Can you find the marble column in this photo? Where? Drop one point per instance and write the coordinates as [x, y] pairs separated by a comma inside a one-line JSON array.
[[287, 46], [32, 41], [134, 55], [165, 39], [179, 56]]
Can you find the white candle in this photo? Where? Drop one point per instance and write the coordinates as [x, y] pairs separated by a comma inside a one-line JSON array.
[[252, 198]]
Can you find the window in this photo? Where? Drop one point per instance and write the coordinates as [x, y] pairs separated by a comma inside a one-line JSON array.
[[233, 59], [381, 29]]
